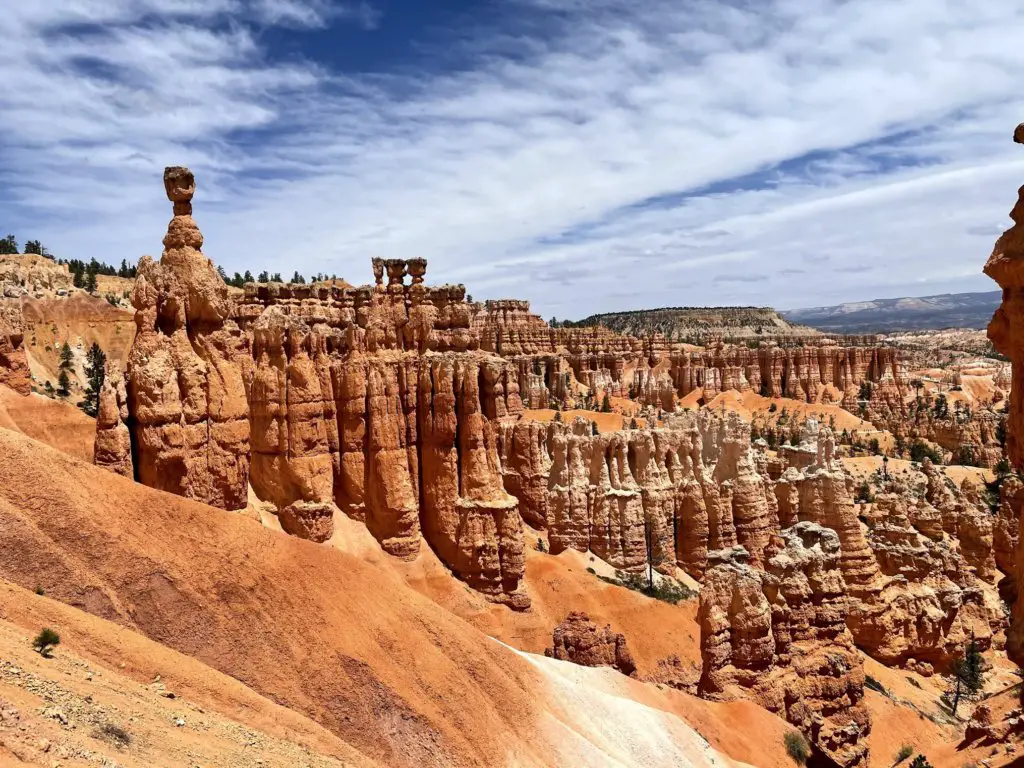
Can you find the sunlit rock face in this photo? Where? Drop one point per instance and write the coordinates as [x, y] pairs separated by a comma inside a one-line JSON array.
[[374, 401], [14, 371], [1006, 267], [779, 636]]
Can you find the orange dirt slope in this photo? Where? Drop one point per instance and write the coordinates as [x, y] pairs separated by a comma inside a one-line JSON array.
[[317, 630]]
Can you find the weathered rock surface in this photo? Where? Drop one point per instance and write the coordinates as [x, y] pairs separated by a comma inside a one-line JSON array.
[[31, 274], [780, 637], [308, 520], [113, 446], [581, 641], [608, 493], [814, 373], [325, 398], [695, 485], [557, 364], [1006, 331], [14, 371], [190, 427], [357, 394], [1006, 528]]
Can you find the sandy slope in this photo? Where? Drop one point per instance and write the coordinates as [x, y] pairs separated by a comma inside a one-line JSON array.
[[749, 403], [102, 674], [58, 424], [79, 320], [321, 632]]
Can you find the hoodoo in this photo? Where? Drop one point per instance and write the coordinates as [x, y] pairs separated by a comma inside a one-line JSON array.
[[324, 399], [1006, 267], [14, 371]]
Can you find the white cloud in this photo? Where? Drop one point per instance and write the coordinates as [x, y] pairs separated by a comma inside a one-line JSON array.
[[485, 168]]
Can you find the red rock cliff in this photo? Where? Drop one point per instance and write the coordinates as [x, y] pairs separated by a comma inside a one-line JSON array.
[[779, 636], [1006, 267], [13, 363], [189, 427]]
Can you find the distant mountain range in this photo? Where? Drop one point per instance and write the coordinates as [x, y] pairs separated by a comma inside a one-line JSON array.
[[948, 310]]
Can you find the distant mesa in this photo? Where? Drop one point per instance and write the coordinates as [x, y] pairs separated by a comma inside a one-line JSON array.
[[948, 310], [698, 325]]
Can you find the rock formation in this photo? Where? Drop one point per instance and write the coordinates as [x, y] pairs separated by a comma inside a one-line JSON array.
[[1006, 267], [33, 275], [558, 364], [14, 371], [608, 493], [356, 394], [113, 446], [825, 372], [189, 425], [780, 637], [327, 399], [1006, 528], [581, 641]]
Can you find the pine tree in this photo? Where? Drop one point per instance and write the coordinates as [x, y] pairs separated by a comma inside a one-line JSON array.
[[123, 271], [34, 246], [276, 278], [95, 372], [297, 278], [63, 376], [920, 762], [8, 245], [247, 277], [606, 404], [264, 277], [90, 282], [222, 274], [77, 278], [968, 675], [66, 357], [63, 384]]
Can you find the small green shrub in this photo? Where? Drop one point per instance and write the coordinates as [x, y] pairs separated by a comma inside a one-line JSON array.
[[905, 752], [46, 641], [797, 747], [666, 590], [920, 762]]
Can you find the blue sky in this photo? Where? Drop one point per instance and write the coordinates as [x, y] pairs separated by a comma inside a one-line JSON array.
[[588, 156]]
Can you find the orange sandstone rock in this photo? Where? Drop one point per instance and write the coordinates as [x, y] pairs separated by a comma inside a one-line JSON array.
[[1006, 331], [190, 428], [581, 641], [779, 636], [113, 445], [14, 371]]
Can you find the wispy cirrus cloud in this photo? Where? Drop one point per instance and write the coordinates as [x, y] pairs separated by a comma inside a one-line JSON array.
[[706, 151]]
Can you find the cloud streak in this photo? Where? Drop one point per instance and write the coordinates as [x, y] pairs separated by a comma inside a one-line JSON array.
[[704, 152]]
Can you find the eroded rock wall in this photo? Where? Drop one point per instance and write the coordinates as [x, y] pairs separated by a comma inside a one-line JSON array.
[[327, 399], [820, 372], [779, 635], [189, 415], [1006, 331], [14, 371], [688, 486]]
